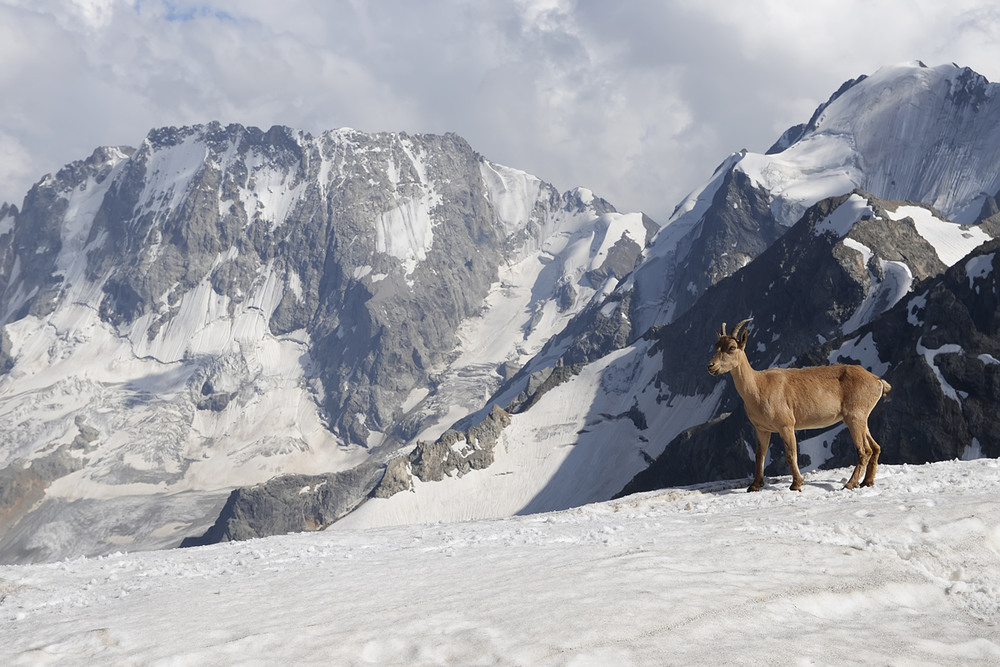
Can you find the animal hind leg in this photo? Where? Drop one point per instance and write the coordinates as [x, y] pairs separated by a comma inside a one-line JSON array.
[[873, 461], [858, 434]]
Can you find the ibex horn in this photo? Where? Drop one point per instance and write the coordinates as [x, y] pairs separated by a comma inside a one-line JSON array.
[[739, 326], [723, 332]]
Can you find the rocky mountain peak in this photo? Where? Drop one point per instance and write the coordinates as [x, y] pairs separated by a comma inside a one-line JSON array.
[[275, 300]]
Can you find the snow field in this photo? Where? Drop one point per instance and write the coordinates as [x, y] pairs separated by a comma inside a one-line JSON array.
[[270, 194], [907, 572], [529, 453], [864, 351], [169, 172], [951, 241], [406, 231], [883, 116]]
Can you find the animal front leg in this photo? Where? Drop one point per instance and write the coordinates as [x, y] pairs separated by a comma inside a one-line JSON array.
[[792, 456], [763, 440]]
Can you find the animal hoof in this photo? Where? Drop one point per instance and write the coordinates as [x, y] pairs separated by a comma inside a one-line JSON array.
[[871, 483], [851, 486], [753, 487], [796, 486]]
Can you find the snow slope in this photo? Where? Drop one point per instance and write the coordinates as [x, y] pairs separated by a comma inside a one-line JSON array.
[[555, 455], [907, 572]]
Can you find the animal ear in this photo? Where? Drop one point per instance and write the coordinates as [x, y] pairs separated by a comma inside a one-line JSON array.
[[743, 338]]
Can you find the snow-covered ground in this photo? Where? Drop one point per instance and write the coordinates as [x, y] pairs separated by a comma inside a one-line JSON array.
[[904, 573]]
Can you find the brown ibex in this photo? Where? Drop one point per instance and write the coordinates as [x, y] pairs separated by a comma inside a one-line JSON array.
[[782, 400]]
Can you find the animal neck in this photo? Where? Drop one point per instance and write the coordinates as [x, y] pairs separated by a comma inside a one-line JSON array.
[[745, 378]]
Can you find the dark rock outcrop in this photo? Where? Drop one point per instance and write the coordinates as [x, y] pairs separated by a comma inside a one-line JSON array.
[[716, 450], [454, 453], [297, 503], [290, 504]]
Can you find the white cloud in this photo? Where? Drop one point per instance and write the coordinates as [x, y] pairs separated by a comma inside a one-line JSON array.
[[16, 165], [638, 101]]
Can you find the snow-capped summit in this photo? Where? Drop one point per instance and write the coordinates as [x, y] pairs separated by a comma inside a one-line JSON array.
[[907, 132]]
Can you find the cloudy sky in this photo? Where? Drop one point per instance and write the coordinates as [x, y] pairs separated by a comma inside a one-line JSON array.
[[637, 100]]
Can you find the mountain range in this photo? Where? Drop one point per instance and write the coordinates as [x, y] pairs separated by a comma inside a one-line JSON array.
[[227, 333]]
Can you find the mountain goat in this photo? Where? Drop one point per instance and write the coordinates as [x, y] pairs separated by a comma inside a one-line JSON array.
[[782, 400]]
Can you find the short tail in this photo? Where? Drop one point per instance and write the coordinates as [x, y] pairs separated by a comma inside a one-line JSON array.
[[886, 387]]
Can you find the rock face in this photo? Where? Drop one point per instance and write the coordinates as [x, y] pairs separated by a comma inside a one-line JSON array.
[[223, 304], [737, 227], [344, 226], [713, 451]]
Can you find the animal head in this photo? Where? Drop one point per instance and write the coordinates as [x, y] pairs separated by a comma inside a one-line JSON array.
[[729, 349]]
